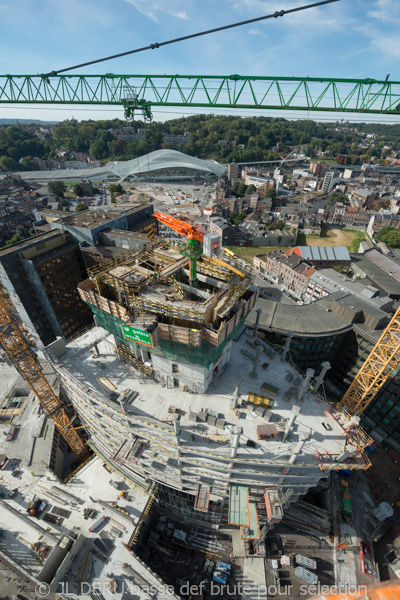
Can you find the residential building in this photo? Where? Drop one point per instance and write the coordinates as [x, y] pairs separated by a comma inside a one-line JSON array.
[[177, 140], [319, 168], [366, 196], [330, 179], [233, 170], [230, 234], [290, 272]]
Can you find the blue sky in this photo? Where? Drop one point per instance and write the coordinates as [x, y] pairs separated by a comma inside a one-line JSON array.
[[350, 38]]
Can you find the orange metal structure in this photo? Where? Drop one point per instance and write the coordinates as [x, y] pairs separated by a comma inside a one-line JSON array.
[[19, 348], [189, 230], [389, 590], [194, 235]]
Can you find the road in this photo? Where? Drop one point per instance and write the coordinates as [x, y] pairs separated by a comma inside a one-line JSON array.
[[105, 196], [271, 291]]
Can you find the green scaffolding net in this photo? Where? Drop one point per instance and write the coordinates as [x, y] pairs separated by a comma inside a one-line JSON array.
[[203, 355]]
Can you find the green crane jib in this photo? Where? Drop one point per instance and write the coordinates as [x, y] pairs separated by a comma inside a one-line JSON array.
[[142, 92]]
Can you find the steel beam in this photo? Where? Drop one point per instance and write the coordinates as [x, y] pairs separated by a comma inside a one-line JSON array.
[[366, 96]]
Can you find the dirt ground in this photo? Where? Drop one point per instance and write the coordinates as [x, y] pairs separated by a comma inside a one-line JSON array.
[[333, 237]]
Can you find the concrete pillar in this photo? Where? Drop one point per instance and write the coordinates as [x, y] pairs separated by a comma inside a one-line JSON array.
[[236, 393], [325, 367], [177, 429], [235, 441], [305, 384], [256, 361], [298, 448], [350, 450], [285, 349], [289, 426], [257, 323]]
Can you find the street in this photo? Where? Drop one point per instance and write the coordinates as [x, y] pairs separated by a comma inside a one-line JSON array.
[[271, 291]]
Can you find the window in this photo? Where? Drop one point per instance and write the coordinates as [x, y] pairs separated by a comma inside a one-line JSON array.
[[175, 368]]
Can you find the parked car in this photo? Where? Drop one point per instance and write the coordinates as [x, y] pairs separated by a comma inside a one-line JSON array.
[[299, 302]]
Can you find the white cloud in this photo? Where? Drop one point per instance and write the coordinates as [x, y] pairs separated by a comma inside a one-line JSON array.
[[154, 9], [330, 16], [388, 42], [387, 11]]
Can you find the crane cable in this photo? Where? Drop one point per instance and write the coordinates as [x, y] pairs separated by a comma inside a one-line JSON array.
[[275, 15]]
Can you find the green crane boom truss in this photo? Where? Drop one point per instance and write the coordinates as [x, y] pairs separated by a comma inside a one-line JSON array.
[[141, 92]]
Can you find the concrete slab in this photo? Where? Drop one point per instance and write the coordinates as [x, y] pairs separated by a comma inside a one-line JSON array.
[[154, 401]]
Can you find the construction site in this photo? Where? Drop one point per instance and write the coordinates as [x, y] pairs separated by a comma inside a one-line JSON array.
[[214, 428], [214, 439]]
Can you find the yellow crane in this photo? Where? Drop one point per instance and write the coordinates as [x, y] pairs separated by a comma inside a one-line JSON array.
[[374, 373], [16, 343]]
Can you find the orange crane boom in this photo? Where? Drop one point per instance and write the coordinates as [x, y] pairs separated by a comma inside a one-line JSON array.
[[189, 230], [195, 237]]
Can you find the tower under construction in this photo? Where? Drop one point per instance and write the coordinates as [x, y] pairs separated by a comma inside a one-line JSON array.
[[176, 396], [177, 334]]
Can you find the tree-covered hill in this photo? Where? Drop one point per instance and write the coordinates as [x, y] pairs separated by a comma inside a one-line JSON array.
[[221, 137]]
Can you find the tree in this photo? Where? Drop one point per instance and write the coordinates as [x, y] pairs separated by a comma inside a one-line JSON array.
[[115, 188], [270, 193], [337, 197], [78, 190], [7, 163], [81, 206], [250, 189], [15, 238], [239, 189], [389, 235], [237, 219], [28, 163], [57, 188]]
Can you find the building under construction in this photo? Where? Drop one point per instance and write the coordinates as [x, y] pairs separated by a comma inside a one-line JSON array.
[[176, 399], [178, 333]]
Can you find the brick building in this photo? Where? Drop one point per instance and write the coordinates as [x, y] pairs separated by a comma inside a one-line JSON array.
[[292, 273]]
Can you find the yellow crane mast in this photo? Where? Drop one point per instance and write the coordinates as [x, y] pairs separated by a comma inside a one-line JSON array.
[[382, 361], [15, 342]]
